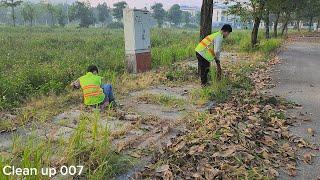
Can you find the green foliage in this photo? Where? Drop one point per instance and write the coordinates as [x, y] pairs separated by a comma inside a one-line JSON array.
[[83, 12], [115, 25], [268, 46], [60, 14], [186, 17], [103, 12], [158, 13], [28, 13], [117, 11], [175, 14]]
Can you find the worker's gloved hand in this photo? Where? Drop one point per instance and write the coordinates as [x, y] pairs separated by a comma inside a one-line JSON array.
[[219, 70]]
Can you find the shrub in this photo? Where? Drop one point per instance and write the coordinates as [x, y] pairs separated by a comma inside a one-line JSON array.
[[270, 45], [115, 25]]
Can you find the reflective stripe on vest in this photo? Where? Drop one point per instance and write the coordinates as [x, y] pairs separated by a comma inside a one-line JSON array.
[[203, 47], [92, 92]]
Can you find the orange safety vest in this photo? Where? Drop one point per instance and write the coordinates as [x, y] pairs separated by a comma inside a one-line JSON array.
[[204, 49], [92, 92]]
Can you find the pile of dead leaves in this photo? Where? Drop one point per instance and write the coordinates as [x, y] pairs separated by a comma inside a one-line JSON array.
[[245, 137]]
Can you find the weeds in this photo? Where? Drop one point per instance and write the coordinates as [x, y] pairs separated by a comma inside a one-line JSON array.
[[44, 60], [88, 146]]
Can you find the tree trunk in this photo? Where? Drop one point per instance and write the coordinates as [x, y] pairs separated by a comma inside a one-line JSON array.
[[255, 30], [318, 25], [13, 16], [206, 18], [205, 21], [267, 25], [298, 25], [310, 24], [285, 26], [275, 27]]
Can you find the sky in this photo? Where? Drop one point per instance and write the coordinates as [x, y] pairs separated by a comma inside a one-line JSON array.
[[140, 3]]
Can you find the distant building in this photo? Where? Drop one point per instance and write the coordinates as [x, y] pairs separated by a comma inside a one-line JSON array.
[[221, 16], [193, 10]]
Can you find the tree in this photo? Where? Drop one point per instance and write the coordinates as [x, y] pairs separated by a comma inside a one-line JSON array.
[[28, 13], [205, 21], [103, 12], [158, 13], [186, 17], [197, 18], [12, 4], [274, 7], [310, 11], [118, 10], [267, 19], [175, 14], [61, 16], [255, 9], [83, 12], [52, 11], [206, 18]]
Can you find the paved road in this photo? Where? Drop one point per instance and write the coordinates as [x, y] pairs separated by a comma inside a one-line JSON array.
[[298, 79]]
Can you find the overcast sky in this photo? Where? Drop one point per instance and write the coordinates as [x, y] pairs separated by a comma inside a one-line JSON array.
[[141, 3]]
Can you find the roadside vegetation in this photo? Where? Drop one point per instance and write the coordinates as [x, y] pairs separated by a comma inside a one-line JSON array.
[[39, 61]]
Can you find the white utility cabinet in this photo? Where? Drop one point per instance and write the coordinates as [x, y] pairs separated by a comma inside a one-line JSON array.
[[137, 25]]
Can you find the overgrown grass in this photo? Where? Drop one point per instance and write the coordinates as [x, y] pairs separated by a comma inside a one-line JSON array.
[[88, 146], [37, 61], [241, 41]]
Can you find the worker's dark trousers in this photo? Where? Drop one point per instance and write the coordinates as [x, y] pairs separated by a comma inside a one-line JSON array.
[[204, 67]]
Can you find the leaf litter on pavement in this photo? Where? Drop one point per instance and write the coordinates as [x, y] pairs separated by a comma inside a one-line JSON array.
[[245, 137]]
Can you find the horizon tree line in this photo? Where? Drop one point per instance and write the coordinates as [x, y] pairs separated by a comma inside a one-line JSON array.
[[31, 14]]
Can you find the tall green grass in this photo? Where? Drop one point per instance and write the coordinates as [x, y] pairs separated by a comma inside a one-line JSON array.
[[36, 61], [241, 41]]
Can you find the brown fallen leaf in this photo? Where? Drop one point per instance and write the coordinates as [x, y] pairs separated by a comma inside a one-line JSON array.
[[226, 153], [291, 169], [179, 146], [272, 173], [269, 141], [196, 175], [163, 168], [135, 155], [167, 175], [210, 172], [311, 131], [252, 118], [196, 149], [307, 158]]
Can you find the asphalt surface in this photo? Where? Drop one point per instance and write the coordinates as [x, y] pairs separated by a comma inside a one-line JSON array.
[[297, 79]]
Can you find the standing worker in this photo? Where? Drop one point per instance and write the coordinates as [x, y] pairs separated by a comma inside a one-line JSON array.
[[206, 54], [94, 92]]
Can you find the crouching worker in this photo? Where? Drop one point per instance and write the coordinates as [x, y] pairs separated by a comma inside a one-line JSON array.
[[94, 92]]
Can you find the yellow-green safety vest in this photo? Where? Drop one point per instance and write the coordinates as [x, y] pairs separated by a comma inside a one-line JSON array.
[[92, 92], [204, 49]]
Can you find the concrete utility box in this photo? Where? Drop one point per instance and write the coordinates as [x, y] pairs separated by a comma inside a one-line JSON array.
[[137, 24]]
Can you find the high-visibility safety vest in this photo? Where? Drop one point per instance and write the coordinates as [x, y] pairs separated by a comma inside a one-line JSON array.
[[204, 49], [92, 92]]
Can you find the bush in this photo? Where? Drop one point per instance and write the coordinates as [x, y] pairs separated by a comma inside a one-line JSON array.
[[115, 25], [245, 44], [270, 45]]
